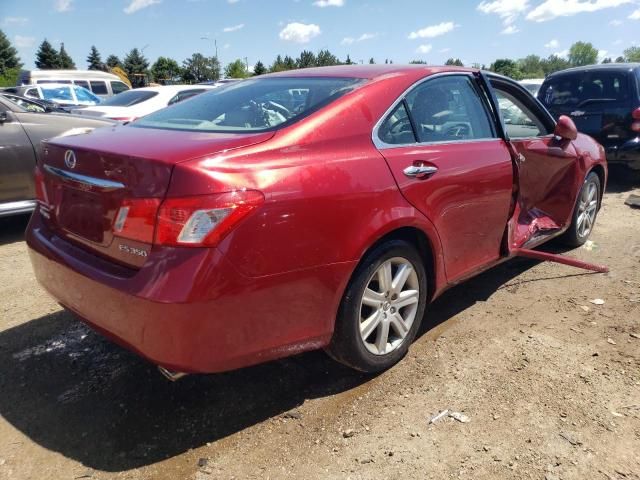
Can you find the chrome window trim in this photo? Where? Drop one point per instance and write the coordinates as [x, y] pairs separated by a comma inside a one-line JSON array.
[[381, 145], [104, 185]]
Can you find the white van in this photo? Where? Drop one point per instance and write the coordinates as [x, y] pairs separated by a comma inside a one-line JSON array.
[[100, 83]]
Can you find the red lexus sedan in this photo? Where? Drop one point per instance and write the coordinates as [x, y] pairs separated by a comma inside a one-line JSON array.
[[311, 209]]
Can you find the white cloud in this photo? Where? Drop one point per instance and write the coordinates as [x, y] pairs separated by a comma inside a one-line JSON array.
[[299, 32], [14, 21], [24, 42], [602, 54], [552, 44], [361, 38], [445, 50], [615, 23], [424, 48], [507, 10], [635, 15], [433, 30], [551, 9], [136, 5], [232, 1], [329, 3], [234, 28], [63, 5], [510, 30], [563, 53]]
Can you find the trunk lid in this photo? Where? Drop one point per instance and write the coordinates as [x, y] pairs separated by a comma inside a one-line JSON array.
[[87, 178]]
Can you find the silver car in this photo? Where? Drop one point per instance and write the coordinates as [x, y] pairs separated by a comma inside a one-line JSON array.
[[21, 132]]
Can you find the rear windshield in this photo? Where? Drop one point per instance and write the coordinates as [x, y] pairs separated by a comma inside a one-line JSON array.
[[584, 88], [251, 105], [128, 98]]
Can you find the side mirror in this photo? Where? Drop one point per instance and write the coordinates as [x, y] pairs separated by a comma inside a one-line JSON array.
[[4, 117], [566, 129]]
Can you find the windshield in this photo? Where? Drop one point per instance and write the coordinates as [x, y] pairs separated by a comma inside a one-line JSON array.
[[584, 88], [251, 105], [128, 98]]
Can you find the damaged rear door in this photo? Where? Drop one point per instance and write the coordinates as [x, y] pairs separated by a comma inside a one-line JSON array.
[[547, 169]]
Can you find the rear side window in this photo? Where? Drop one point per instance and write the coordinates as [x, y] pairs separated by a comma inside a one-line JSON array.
[[128, 98], [584, 88], [118, 87], [57, 93], [82, 83], [99, 88], [397, 128], [449, 109], [40, 82], [183, 95], [32, 92]]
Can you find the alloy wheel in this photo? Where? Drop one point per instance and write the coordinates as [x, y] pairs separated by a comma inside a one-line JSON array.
[[587, 209], [389, 305]]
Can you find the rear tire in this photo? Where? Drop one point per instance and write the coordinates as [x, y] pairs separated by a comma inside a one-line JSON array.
[[585, 212], [381, 309]]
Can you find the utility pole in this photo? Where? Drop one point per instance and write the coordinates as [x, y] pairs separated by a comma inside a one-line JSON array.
[[246, 62], [215, 44]]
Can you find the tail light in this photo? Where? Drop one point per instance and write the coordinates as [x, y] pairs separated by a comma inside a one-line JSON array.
[[203, 220], [136, 219], [635, 126], [41, 193], [196, 221]]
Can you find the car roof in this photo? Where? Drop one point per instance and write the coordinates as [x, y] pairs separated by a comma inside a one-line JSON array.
[[370, 72], [599, 67]]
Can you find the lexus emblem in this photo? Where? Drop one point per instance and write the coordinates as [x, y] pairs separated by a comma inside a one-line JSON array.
[[70, 159]]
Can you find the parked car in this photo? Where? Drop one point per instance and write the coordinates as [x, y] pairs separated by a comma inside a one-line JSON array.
[[32, 105], [102, 84], [604, 102], [229, 230], [64, 96], [532, 84], [21, 132], [128, 106]]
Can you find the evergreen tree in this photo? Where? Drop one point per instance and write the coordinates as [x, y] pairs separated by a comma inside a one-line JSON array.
[[259, 69], [113, 61], [47, 57], [348, 60], [199, 68], [289, 63], [136, 66], [454, 62], [325, 58], [65, 60], [306, 59], [607, 60], [165, 70], [417, 62], [94, 60], [277, 65], [8, 55], [236, 69], [372, 61]]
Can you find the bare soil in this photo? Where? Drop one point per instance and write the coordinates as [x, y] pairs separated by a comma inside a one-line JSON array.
[[548, 381]]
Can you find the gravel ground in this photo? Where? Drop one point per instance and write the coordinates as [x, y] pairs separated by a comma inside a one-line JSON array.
[[546, 383]]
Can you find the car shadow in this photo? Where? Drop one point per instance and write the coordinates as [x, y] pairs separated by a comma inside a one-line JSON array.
[[12, 228], [73, 392], [622, 179]]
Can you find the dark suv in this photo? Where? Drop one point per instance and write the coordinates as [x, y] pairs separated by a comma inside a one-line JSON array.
[[604, 102]]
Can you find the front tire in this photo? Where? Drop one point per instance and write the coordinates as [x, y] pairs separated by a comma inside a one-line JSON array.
[[381, 309], [585, 213]]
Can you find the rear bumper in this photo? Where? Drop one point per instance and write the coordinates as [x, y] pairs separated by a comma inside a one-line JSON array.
[[17, 208], [627, 154], [189, 309]]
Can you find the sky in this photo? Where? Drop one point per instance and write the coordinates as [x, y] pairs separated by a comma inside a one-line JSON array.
[[401, 30]]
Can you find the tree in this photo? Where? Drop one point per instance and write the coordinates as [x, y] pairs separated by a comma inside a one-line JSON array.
[[289, 63], [348, 60], [372, 61], [454, 61], [47, 57], [236, 69], [65, 60], [607, 60], [506, 67], [582, 53], [417, 62], [94, 59], [137, 67], [531, 66], [620, 60], [306, 59], [165, 70], [259, 69], [113, 61], [325, 58], [8, 55], [632, 54], [199, 68], [554, 63]]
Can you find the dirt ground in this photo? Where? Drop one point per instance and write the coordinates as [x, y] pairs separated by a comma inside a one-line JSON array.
[[548, 380]]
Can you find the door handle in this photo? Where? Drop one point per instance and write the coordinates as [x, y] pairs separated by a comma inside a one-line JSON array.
[[419, 171]]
